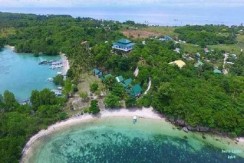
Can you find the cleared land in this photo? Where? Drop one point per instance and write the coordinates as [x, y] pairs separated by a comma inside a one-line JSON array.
[[76, 104], [139, 33], [149, 32]]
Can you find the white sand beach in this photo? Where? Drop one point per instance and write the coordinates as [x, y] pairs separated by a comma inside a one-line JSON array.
[[220, 142], [140, 113], [240, 139], [10, 47], [65, 63]]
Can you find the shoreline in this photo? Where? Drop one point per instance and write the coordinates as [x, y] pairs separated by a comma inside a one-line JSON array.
[[10, 47], [65, 63], [148, 113]]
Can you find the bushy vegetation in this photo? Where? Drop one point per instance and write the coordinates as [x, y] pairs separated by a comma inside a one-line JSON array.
[[94, 108], [58, 80], [194, 95], [207, 35], [20, 122]]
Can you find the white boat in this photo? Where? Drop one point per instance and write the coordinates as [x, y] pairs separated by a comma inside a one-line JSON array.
[[134, 119], [57, 63], [60, 88], [50, 79], [57, 92], [55, 66], [59, 73]]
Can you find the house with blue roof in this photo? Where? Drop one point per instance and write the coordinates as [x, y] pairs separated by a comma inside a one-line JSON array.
[[166, 38], [217, 71], [123, 45], [136, 90], [97, 73], [126, 83], [119, 79]]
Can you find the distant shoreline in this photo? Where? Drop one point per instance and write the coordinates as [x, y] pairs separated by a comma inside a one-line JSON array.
[[221, 142]]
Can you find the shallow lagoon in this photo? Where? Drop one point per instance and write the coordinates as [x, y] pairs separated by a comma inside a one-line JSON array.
[[119, 140], [20, 73]]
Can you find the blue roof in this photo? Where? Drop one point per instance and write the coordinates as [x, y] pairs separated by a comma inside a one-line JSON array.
[[124, 41], [127, 82], [136, 90], [119, 78], [96, 71], [217, 71], [124, 45], [167, 37]]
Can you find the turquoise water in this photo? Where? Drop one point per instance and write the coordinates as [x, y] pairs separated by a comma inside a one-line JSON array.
[[20, 73], [119, 140]]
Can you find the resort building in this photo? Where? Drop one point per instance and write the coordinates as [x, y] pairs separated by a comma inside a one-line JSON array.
[[179, 63], [123, 45], [97, 73], [136, 90], [217, 71], [166, 38], [126, 83], [119, 79]]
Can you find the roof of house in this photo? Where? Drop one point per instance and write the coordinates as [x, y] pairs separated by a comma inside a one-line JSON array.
[[136, 90], [96, 71], [124, 41], [179, 63], [123, 45], [119, 78], [127, 82], [199, 63], [106, 76], [217, 71], [168, 37]]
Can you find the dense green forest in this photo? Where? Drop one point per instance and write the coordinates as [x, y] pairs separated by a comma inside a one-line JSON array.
[[19, 122], [207, 35], [195, 95]]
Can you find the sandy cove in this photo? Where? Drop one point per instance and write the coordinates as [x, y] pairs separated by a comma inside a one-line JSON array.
[[140, 113]]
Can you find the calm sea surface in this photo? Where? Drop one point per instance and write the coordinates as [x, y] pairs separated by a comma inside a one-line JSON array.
[[20, 73], [159, 15], [119, 140]]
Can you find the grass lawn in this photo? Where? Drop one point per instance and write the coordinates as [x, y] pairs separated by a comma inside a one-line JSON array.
[[86, 80], [235, 48], [191, 48]]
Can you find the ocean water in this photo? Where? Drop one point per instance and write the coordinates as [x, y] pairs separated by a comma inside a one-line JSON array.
[[119, 140], [20, 73], [150, 14]]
